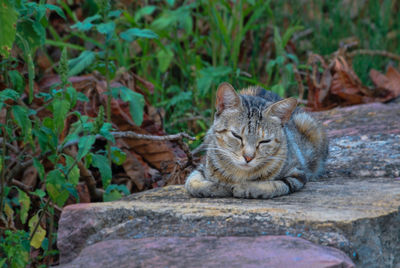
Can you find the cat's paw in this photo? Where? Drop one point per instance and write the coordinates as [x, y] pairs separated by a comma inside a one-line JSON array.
[[260, 190], [199, 186]]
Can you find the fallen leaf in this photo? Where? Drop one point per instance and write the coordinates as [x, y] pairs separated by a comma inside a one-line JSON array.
[[389, 82]]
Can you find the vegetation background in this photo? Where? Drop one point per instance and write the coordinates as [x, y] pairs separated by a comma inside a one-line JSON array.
[[89, 90]]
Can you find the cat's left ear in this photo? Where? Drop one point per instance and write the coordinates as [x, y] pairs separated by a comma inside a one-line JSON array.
[[282, 109]]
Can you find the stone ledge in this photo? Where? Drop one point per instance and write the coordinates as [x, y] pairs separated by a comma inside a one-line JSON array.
[[358, 216]]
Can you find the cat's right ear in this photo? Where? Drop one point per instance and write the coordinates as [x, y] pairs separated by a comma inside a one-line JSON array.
[[226, 98]]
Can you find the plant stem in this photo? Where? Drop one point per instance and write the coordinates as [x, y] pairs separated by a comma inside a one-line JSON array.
[[51, 227], [40, 218], [109, 99], [3, 173]]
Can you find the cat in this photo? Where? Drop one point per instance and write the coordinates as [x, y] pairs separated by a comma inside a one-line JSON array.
[[259, 146]]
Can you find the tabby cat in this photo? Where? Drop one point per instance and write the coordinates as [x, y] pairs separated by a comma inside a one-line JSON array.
[[259, 146]]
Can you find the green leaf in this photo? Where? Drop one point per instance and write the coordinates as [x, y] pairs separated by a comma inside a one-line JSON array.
[[57, 9], [60, 111], [8, 21], [133, 33], [16, 80], [27, 32], [118, 157], [114, 14], [136, 104], [279, 47], [105, 132], [39, 167], [8, 94], [55, 186], [106, 28], [40, 31], [182, 96], [86, 24], [25, 203], [112, 196], [170, 2], [147, 10], [40, 193], [164, 58], [82, 97], [40, 233], [73, 176], [101, 162], [113, 192], [21, 118], [84, 145], [289, 33], [72, 96], [79, 64]]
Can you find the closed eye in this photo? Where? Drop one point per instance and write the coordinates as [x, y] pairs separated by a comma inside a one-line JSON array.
[[265, 141], [236, 135]]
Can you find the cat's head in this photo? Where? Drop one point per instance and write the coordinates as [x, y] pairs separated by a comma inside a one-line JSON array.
[[248, 130]]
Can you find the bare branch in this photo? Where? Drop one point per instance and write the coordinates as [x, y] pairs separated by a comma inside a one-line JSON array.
[[382, 53], [88, 177], [134, 135]]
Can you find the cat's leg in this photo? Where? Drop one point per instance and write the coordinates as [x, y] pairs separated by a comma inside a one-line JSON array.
[[198, 186], [269, 189]]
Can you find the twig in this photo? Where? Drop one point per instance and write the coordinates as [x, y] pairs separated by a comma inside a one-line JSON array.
[[21, 185], [88, 177], [302, 34], [10, 146], [369, 52], [134, 135], [40, 219]]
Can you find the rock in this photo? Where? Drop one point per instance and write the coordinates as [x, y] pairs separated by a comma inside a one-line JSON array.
[[354, 207], [263, 251]]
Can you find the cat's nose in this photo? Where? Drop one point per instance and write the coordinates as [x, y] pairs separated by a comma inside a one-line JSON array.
[[248, 158]]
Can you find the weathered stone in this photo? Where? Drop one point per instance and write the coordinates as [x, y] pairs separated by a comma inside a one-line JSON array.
[[264, 251], [358, 216], [354, 207]]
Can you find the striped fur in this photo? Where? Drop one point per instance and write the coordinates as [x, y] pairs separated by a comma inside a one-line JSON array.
[[259, 146]]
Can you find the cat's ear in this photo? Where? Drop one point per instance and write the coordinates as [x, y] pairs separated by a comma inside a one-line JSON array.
[[282, 109], [226, 98]]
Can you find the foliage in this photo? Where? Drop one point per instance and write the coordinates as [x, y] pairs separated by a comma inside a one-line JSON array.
[[184, 48]]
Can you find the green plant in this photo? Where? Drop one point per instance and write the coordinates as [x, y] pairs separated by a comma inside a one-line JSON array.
[[42, 138], [280, 70]]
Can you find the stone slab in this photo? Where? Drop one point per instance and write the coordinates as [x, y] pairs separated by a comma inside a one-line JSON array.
[[359, 216], [263, 251]]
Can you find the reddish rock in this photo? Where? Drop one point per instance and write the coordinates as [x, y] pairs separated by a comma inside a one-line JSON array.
[[263, 251]]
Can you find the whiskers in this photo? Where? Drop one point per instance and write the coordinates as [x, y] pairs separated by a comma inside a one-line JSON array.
[[223, 152]]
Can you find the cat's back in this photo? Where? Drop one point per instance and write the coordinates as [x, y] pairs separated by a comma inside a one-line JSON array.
[[259, 92]]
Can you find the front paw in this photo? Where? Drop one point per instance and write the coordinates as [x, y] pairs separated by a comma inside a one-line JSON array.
[[198, 186], [254, 190], [240, 191]]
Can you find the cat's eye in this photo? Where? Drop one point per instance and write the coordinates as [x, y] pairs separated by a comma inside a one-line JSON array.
[[265, 141], [236, 135]]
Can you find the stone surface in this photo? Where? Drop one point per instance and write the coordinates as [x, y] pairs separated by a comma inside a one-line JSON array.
[[264, 251], [354, 207]]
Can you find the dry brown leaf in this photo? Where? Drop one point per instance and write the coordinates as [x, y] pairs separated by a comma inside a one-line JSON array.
[[30, 177], [389, 82], [346, 84]]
